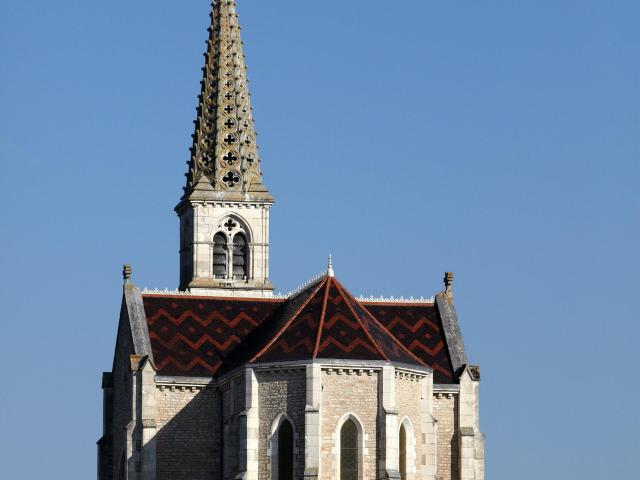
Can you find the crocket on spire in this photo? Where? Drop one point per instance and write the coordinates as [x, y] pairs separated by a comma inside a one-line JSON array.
[[224, 155]]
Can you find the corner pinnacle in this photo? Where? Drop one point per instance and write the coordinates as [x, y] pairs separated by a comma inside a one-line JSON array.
[[126, 274], [448, 283]]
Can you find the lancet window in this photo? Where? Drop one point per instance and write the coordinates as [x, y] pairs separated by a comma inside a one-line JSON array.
[[285, 451], [403, 453], [239, 257], [406, 441], [220, 255], [349, 457]]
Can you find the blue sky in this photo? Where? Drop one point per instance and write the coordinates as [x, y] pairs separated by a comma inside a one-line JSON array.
[[496, 139]]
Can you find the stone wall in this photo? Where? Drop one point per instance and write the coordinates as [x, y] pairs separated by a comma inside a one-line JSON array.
[[445, 410], [203, 221], [349, 391], [281, 391], [409, 404], [188, 439], [232, 394]]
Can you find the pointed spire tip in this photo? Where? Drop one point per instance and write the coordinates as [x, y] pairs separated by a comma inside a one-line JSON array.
[[330, 272]]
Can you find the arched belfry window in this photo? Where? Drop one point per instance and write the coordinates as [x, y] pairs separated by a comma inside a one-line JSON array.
[[239, 256], [285, 451], [220, 255], [349, 457]]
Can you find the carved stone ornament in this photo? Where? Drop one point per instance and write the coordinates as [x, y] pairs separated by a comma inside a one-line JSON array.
[[474, 372], [224, 143]]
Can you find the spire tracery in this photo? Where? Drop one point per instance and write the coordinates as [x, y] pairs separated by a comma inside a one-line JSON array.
[[224, 152]]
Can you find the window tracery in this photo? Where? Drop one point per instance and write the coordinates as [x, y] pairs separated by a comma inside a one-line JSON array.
[[231, 250]]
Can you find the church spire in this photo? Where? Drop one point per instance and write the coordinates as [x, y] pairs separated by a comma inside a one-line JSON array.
[[224, 156], [224, 212]]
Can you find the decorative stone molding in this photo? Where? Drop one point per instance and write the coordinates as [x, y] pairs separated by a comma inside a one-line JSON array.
[[224, 154], [409, 376], [448, 395], [279, 371], [381, 299], [474, 372], [348, 371], [182, 388]]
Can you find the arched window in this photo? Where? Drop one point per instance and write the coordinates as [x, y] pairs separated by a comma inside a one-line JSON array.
[[349, 461], [285, 451], [239, 256], [219, 256], [403, 452], [406, 437]]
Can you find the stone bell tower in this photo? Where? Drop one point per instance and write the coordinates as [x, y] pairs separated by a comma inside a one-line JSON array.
[[224, 212]]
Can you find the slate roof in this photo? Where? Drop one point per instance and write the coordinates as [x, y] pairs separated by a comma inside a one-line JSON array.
[[205, 336]]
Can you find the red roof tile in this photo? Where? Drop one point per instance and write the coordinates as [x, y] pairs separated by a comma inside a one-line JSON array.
[[201, 336], [195, 336], [331, 324], [419, 328]]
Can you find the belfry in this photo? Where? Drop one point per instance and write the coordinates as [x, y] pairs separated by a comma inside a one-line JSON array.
[[221, 379]]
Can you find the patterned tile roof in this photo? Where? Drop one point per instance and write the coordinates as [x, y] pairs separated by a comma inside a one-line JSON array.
[[419, 328], [203, 336], [195, 336], [330, 323]]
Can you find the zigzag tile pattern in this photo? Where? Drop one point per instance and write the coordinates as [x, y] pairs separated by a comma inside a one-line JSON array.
[[419, 328], [195, 336], [298, 331], [392, 350], [331, 324], [343, 336]]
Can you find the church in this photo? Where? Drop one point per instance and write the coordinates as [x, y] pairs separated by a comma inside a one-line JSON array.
[[223, 379]]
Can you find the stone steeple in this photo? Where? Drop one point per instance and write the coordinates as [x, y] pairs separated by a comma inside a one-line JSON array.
[[224, 155], [224, 211]]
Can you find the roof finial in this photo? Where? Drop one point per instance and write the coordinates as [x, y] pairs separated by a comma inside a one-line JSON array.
[[126, 274], [448, 283], [330, 272]]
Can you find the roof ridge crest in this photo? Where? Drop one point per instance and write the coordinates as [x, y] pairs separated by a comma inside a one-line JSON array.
[[305, 285]]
